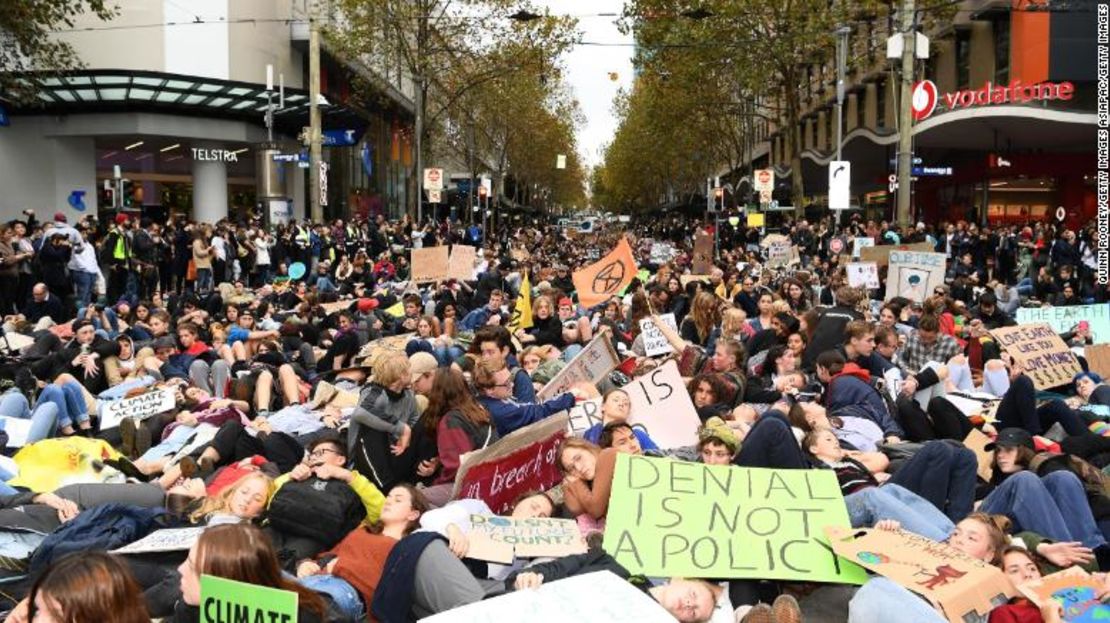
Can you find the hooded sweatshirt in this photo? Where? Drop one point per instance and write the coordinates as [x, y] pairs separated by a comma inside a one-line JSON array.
[[852, 386]]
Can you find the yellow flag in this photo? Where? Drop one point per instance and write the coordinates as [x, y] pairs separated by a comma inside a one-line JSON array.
[[522, 311]]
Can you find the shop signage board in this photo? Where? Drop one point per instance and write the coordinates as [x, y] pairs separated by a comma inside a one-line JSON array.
[[926, 98], [840, 182]]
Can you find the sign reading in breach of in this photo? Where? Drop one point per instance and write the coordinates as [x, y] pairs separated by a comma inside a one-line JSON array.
[[605, 277], [673, 518]]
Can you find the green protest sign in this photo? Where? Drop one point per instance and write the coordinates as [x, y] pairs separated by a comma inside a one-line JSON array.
[[675, 518], [224, 601]]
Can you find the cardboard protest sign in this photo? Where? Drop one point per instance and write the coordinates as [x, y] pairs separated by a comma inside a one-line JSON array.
[[1098, 358], [18, 430], [373, 349], [1043, 355], [881, 254], [688, 279], [583, 416], [756, 219], [430, 264], [523, 460], [780, 250], [461, 263], [223, 600], [662, 252], [955, 583], [168, 540], [655, 343], [606, 277], [661, 406], [863, 275], [860, 243], [140, 407], [1075, 590], [977, 442], [1064, 319], [520, 255], [331, 308], [673, 518], [599, 597], [590, 365], [703, 252], [500, 539], [915, 274]]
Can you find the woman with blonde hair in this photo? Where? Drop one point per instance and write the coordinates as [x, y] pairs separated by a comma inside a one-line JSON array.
[[243, 501], [705, 317], [587, 476], [383, 424], [86, 587]]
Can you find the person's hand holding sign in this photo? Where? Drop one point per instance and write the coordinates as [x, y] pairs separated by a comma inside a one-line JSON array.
[[528, 580]]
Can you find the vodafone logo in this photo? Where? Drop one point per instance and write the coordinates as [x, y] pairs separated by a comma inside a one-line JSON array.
[[924, 99]]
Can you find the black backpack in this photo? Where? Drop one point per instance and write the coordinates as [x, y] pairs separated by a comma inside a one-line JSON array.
[[322, 510]]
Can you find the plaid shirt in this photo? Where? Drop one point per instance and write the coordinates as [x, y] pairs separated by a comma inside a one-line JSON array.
[[915, 354]]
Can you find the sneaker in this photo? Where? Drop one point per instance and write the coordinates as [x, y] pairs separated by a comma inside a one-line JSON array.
[[760, 613], [786, 610]]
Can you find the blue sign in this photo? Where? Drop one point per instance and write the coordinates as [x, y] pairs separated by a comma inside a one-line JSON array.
[[931, 171], [341, 138], [4, 121], [915, 161], [77, 200]]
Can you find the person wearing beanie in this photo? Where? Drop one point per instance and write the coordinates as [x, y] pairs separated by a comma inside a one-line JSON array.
[[717, 443]]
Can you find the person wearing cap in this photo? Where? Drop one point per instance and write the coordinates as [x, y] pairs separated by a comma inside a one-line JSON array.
[[1054, 505], [423, 366], [717, 444], [116, 255]]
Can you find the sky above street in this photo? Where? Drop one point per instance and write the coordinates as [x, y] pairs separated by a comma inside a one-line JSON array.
[[588, 69]]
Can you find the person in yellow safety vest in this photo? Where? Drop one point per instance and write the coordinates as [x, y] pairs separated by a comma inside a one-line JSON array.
[[303, 241], [117, 255]]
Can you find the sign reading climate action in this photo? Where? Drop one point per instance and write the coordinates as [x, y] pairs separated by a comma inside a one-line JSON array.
[[222, 601], [140, 407], [1044, 356], [672, 518]]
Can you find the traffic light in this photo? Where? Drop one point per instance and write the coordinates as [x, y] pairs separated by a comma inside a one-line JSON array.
[[718, 192], [127, 187], [482, 192]]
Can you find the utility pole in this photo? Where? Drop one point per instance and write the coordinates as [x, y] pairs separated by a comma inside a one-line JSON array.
[[841, 61], [905, 115], [419, 129], [315, 151]]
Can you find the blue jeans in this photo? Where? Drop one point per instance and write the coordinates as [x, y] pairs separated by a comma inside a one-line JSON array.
[[204, 280], [875, 601], [83, 283], [170, 445], [44, 418], [944, 474], [445, 355], [109, 332], [346, 598], [69, 400], [571, 351], [890, 501], [771, 443], [1054, 506], [1025, 286], [324, 284]]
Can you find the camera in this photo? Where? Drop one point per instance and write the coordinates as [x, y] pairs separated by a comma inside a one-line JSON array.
[[99, 308]]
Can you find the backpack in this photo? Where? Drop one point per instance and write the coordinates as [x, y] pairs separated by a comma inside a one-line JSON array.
[[321, 510], [103, 528]]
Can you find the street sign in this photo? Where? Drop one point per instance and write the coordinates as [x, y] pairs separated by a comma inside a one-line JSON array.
[[840, 182], [1061, 214], [892, 180], [836, 246], [435, 196], [487, 183], [433, 179], [925, 171], [561, 161], [340, 138], [323, 183], [764, 180]]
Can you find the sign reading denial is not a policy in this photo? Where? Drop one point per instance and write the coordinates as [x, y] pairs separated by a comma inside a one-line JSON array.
[[672, 518]]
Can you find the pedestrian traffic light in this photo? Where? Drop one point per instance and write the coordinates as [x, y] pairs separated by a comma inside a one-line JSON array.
[[482, 192], [127, 187], [718, 192]]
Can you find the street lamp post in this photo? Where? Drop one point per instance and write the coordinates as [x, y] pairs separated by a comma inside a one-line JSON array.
[[841, 60]]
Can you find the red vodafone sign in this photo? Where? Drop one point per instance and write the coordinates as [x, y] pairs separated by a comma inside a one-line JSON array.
[[924, 99]]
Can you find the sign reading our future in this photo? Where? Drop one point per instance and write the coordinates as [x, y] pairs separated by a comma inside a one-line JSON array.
[[672, 518]]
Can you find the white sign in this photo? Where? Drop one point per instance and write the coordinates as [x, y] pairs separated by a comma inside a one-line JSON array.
[[655, 343], [281, 212], [433, 180], [765, 196], [863, 275], [662, 408], [840, 182], [914, 274], [487, 183], [859, 243], [435, 196], [216, 155], [764, 180], [140, 407], [323, 183], [584, 416], [168, 540], [599, 597], [561, 161], [590, 365], [18, 429]]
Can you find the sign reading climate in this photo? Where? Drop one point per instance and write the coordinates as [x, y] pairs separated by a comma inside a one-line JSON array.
[[925, 96]]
